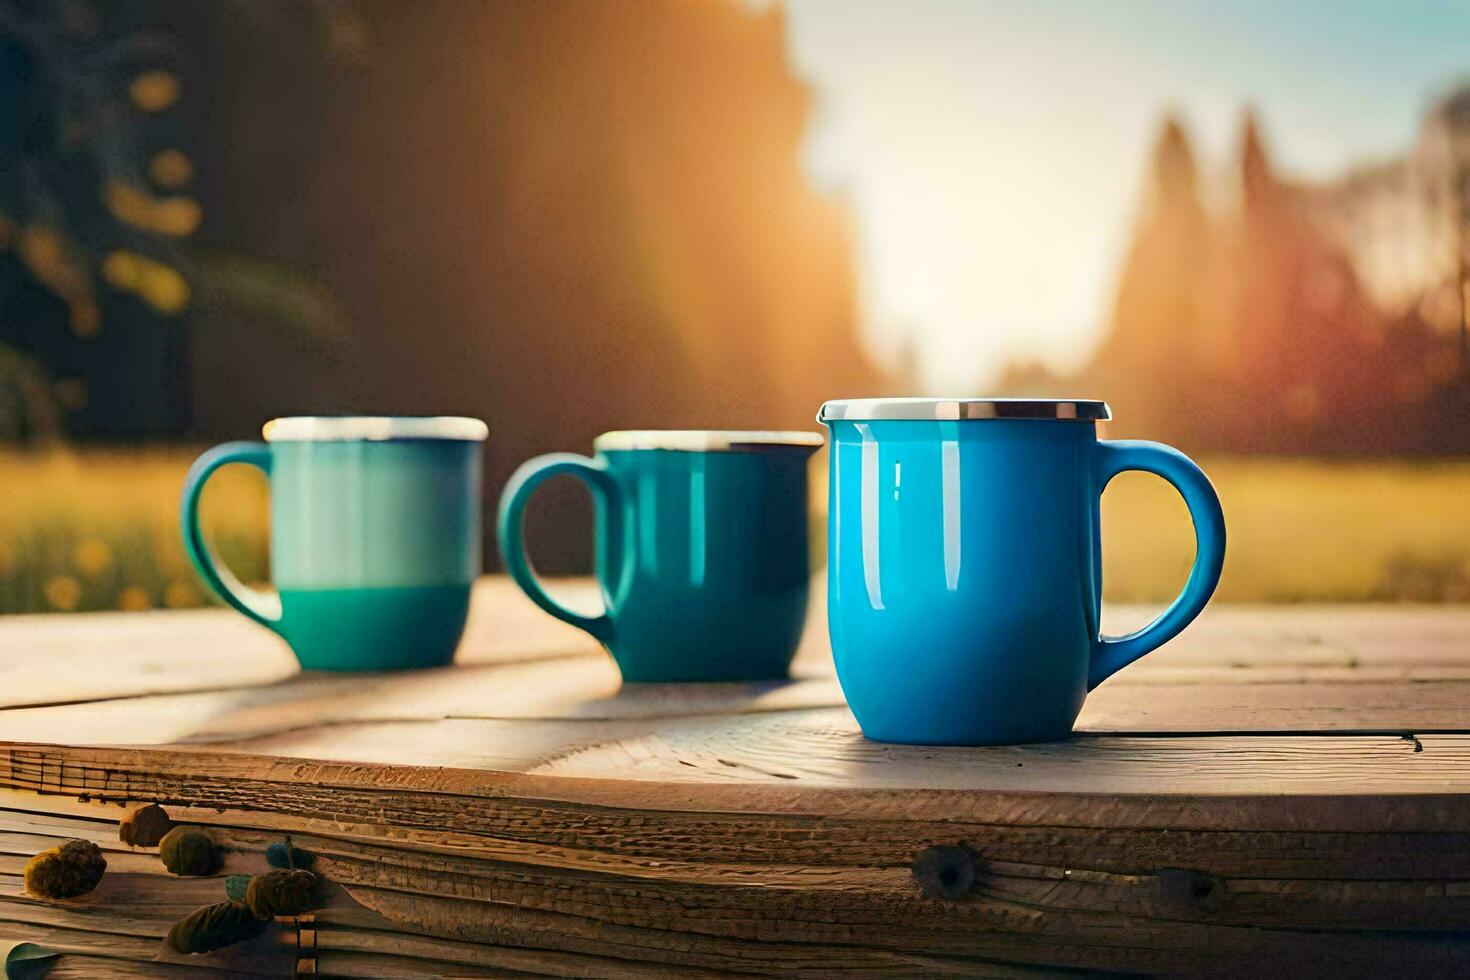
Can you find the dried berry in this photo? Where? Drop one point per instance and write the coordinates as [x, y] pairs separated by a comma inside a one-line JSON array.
[[214, 927], [280, 855], [189, 851], [144, 826], [235, 886], [66, 871], [281, 892]]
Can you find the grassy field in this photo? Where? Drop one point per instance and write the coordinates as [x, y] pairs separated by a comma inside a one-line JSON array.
[[99, 530], [1300, 531]]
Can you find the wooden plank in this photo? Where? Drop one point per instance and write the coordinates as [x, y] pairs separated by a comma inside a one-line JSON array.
[[1401, 706], [63, 659], [307, 715], [54, 659], [579, 688], [1343, 684], [503, 879], [1318, 636], [1391, 784], [523, 814], [825, 748]]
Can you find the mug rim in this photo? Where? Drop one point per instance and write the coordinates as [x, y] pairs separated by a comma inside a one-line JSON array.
[[706, 440], [373, 428], [964, 409]]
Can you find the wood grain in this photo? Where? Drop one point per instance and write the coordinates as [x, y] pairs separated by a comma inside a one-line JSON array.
[[169, 678], [1285, 788], [560, 887], [52, 659]]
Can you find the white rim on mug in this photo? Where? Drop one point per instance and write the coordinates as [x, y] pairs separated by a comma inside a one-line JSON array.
[[371, 428], [706, 441]]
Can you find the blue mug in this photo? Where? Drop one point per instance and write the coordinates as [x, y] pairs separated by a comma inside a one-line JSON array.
[[375, 537], [965, 564], [701, 549]]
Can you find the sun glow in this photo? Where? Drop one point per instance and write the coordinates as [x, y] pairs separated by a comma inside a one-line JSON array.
[[993, 154]]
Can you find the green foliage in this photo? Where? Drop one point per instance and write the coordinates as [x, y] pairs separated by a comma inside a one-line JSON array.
[[236, 887], [28, 408], [92, 208], [244, 283]]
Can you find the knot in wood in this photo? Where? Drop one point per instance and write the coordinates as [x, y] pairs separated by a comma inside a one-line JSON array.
[[946, 871], [1182, 884]]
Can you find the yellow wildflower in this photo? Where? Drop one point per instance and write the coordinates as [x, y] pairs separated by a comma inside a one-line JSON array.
[[133, 599], [63, 592], [53, 263], [154, 91], [170, 168], [161, 287], [92, 557], [177, 216], [180, 595]]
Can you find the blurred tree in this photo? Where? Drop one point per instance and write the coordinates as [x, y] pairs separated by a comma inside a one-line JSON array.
[[561, 217], [1301, 317], [95, 221], [1161, 316]]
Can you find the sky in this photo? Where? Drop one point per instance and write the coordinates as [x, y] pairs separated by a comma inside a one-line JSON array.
[[994, 152]]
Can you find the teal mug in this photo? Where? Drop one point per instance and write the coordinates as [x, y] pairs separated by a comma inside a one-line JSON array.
[[701, 549], [375, 537]]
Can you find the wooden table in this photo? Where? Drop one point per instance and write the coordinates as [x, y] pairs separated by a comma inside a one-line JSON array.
[[1279, 788]]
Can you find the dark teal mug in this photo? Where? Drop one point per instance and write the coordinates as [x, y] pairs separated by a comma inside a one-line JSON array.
[[701, 549], [964, 568], [375, 537]]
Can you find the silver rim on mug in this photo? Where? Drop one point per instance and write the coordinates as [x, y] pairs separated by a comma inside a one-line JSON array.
[[968, 409]]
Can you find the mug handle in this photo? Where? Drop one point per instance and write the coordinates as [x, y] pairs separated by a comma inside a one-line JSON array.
[[263, 607], [510, 527], [1112, 654]]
